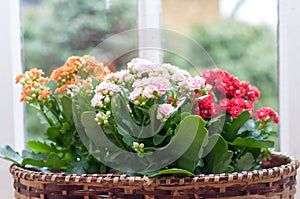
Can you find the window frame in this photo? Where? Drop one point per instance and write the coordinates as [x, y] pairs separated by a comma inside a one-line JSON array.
[[288, 77], [12, 111]]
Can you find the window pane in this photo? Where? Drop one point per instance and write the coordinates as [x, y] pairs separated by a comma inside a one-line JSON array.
[[57, 29], [239, 35]]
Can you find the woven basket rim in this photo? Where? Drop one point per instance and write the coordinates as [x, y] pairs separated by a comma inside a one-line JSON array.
[[244, 176]]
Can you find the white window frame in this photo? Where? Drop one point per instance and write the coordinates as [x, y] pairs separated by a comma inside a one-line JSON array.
[[148, 24], [12, 112], [289, 80]]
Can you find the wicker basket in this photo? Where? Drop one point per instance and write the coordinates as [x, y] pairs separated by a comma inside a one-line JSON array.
[[278, 181]]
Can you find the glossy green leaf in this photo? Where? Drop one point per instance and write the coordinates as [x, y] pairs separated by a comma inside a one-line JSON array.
[[54, 161], [35, 162], [231, 129], [252, 142], [52, 85], [42, 147], [66, 104], [158, 157], [219, 158], [245, 162], [127, 124], [95, 82], [54, 135], [190, 158], [7, 153]]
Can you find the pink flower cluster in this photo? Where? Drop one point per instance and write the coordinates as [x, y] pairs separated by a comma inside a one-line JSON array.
[[145, 84], [228, 94], [150, 88], [164, 111]]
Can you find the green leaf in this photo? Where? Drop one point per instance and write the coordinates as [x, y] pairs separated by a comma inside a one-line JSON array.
[[190, 158], [248, 126], [66, 104], [158, 157], [245, 163], [95, 82], [122, 117], [180, 117], [158, 139], [76, 167], [52, 85], [42, 147], [252, 142], [219, 158], [31, 154], [54, 161], [231, 128], [33, 162], [55, 135], [33, 159], [127, 125], [7, 153], [173, 171]]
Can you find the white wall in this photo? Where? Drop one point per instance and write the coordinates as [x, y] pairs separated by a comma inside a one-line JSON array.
[[11, 110], [289, 77]]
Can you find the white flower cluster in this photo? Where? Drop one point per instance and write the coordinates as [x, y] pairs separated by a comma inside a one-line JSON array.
[[83, 86], [138, 147]]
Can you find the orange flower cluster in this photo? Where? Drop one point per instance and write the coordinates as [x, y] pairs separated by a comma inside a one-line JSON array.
[[75, 70], [33, 83]]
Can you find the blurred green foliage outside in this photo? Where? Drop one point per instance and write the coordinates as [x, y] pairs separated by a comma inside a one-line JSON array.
[[57, 29]]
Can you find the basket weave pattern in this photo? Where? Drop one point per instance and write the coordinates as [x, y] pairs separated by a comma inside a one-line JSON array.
[[275, 182]]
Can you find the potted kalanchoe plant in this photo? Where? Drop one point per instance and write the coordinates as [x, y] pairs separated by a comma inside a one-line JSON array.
[[145, 120]]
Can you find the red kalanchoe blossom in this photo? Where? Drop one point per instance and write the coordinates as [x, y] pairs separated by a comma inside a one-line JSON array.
[[252, 93], [241, 103], [223, 82], [170, 100], [235, 111], [205, 106], [267, 114], [233, 96]]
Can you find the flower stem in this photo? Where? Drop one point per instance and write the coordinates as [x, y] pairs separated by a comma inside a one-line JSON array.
[[42, 111]]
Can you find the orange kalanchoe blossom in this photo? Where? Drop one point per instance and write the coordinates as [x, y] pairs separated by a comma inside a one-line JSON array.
[[73, 73], [34, 89], [75, 70], [29, 76]]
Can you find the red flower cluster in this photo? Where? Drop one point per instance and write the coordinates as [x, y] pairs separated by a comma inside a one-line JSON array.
[[228, 94], [267, 114]]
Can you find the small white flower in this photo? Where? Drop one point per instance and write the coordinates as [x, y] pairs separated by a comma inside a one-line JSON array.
[[107, 99], [136, 102], [142, 145], [135, 144]]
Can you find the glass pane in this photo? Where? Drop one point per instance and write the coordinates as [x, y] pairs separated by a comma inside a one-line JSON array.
[[57, 29], [239, 36]]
